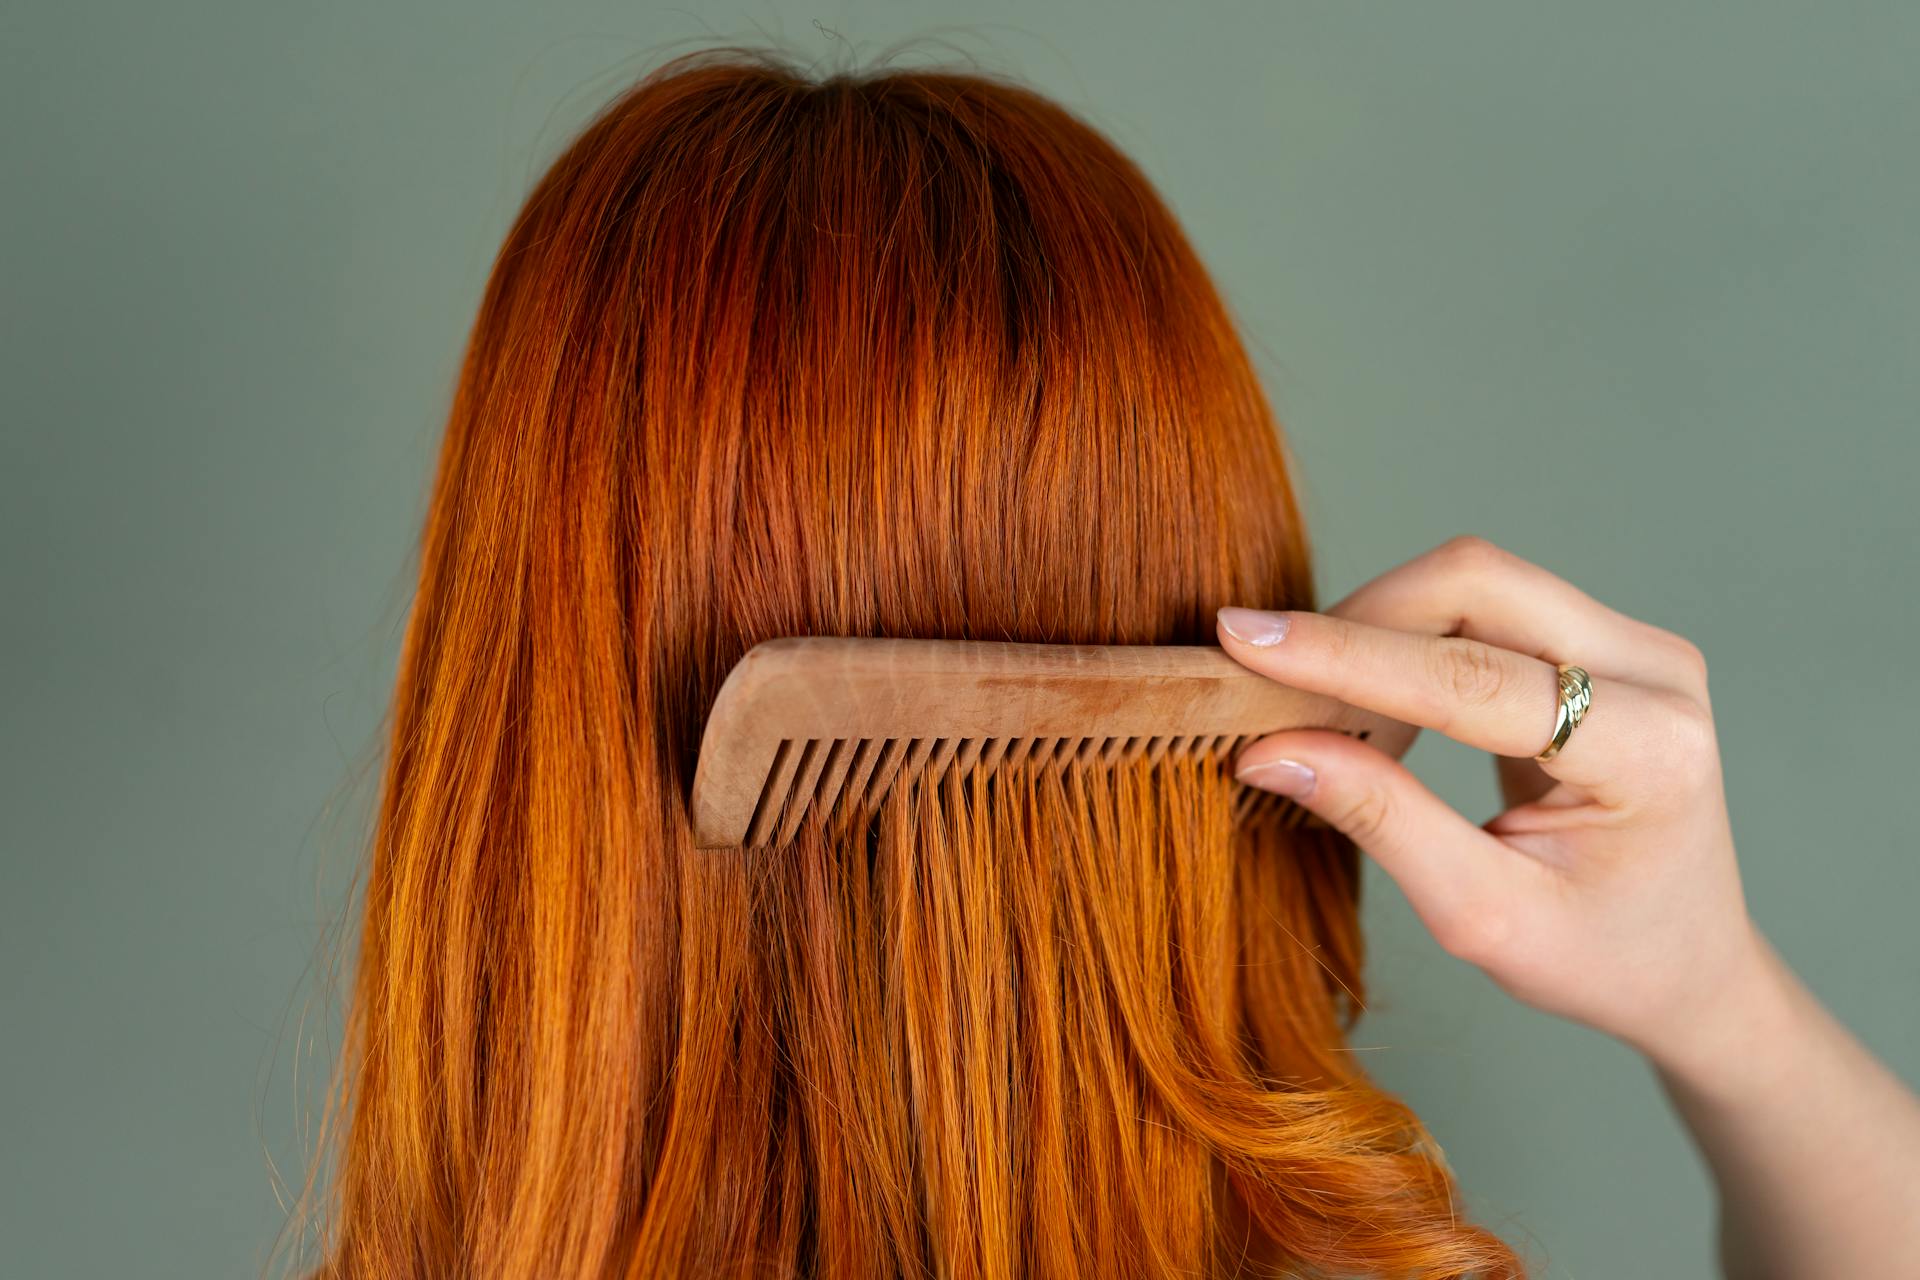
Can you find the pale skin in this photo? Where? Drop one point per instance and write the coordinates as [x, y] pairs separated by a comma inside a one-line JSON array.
[[1607, 891]]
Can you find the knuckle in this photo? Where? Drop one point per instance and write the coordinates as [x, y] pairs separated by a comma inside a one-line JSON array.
[[1471, 551], [1685, 654], [1695, 660], [1367, 817], [1689, 752], [1336, 643], [1477, 935], [1470, 671]]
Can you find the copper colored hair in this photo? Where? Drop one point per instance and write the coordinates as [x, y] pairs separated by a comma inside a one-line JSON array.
[[899, 353]]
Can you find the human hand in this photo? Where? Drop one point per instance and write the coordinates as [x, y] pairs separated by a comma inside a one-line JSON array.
[[1607, 892]]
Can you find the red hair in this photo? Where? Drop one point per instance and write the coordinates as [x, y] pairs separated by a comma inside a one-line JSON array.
[[905, 354]]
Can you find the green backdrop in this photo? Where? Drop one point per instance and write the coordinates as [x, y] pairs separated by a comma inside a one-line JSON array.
[[1632, 289]]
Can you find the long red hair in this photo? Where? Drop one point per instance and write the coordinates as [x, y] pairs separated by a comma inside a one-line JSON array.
[[906, 354]]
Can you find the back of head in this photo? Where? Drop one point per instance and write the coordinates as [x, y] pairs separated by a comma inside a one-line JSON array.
[[900, 354]]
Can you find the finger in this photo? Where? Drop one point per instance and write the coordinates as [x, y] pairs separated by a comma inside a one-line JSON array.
[[1471, 691], [1471, 587], [1468, 887], [1521, 781]]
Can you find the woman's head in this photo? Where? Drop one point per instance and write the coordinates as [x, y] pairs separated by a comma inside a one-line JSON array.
[[904, 354]]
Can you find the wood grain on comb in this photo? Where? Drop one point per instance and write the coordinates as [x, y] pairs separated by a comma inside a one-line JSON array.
[[828, 725]]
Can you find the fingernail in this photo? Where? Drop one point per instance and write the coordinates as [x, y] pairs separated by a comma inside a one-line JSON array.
[[1254, 626], [1282, 777]]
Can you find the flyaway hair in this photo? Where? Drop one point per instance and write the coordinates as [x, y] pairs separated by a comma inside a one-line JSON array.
[[905, 353]]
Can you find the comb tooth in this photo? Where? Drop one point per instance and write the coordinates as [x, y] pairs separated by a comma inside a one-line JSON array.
[[916, 761], [1156, 748], [969, 753], [1177, 747], [1017, 752], [991, 756], [1135, 748], [1084, 752], [1245, 801], [943, 751], [1043, 752], [1112, 748], [854, 791], [883, 772], [774, 794], [1294, 814], [810, 762], [834, 775]]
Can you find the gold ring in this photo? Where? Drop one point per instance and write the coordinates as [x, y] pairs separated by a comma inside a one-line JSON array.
[[1576, 695]]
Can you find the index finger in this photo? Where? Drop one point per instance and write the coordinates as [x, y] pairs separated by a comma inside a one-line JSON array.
[[1468, 586], [1471, 691]]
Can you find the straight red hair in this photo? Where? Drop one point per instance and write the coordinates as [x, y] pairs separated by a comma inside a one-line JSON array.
[[900, 354]]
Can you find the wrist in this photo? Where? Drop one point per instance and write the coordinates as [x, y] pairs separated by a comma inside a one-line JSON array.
[[1737, 1031]]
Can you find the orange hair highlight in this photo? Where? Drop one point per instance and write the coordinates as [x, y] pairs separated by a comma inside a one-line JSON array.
[[909, 354]]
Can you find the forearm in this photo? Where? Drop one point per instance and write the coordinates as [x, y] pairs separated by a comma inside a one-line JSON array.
[[1814, 1144]]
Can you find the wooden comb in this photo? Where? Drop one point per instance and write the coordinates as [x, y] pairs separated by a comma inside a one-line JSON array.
[[827, 725]]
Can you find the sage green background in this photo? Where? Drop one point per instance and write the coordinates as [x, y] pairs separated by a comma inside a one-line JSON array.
[[1632, 289]]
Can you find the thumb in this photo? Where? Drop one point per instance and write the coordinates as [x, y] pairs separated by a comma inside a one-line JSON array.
[[1460, 879]]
